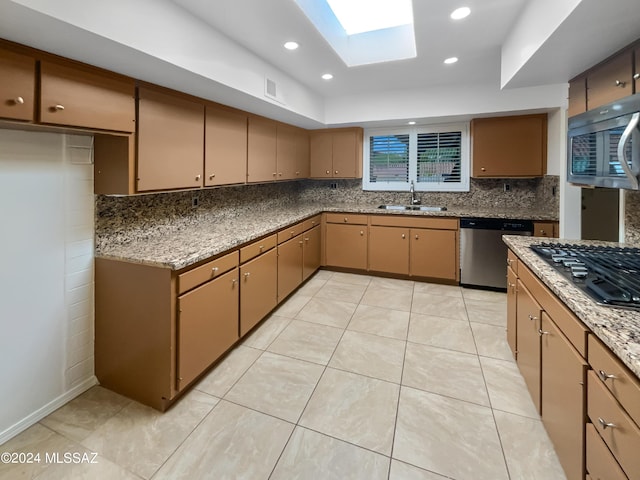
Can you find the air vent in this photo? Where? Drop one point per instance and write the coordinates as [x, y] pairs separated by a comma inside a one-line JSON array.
[[272, 91]]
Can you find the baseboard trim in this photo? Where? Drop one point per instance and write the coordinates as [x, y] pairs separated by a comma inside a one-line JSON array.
[[39, 414]]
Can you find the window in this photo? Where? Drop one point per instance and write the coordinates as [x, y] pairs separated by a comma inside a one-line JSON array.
[[434, 158]]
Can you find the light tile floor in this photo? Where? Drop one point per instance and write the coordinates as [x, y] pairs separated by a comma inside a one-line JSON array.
[[353, 377]]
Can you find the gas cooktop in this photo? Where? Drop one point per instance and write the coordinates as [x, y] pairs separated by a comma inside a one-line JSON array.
[[609, 275]]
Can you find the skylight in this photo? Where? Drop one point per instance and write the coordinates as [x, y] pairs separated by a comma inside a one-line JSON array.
[[364, 31], [359, 16]]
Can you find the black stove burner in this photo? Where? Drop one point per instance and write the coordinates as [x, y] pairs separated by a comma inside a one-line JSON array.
[[610, 275]]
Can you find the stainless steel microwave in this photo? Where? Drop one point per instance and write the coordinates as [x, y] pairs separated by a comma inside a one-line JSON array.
[[604, 146]]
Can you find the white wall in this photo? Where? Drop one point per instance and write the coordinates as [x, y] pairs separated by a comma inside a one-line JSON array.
[[46, 276]]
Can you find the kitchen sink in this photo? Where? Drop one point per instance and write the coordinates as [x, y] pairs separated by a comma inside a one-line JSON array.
[[421, 208]]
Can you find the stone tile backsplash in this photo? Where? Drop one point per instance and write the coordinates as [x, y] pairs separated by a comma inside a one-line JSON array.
[[128, 218]]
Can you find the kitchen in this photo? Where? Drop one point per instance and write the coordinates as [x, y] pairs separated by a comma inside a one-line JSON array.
[[236, 88]]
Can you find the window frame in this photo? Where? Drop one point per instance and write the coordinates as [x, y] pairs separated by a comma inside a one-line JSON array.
[[413, 131]]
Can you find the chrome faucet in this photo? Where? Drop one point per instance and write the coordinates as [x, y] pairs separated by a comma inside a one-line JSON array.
[[414, 200]]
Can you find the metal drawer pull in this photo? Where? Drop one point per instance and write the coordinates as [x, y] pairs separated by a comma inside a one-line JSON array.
[[59, 107], [328, 172], [18, 101], [417, 237], [261, 247], [404, 236], [215, 269], [197, 178], [246, 275], [212, 176], [346, 219], [605, 424], [636, 76], [542, 332], [531, 317], [361, 232], [306, 239], [620, 84], [604, 375], [233, 281]]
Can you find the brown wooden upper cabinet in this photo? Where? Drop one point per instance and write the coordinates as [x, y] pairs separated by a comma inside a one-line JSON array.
[[170, 141], [336, 153], [17, 88], [577, 95], [80, 96], [261, 154], [225, 159], [292, 153], [509, 146], [611, 80]]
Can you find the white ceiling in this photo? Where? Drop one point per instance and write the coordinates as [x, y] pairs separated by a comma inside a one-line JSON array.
[[515, 55], [264, 26]]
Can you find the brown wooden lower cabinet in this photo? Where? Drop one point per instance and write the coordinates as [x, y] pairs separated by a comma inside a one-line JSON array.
[[389, 249], [258, 289], [311, 252], [290, 260], [207, 325], [601, 464], [528, 339], [434, 253], [564, 373], [346, 246]]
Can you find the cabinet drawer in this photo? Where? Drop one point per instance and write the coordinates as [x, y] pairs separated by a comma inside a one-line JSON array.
[[86, 98], [618, 431], [204, 273], [309, 223], [601, 464], [354, 219], [543, 229], [624, 385], [290, 232], [512, 261], [257, 248], [435, 223]]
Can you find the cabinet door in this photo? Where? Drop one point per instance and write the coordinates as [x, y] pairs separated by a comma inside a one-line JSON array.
[[86, 98], [225, 156], [601, 464], [509, 146], [610, 81], [17, 89], [289, 266], [528, 340], [302, 155], [389, 249], [170, 141], [346, 246], [434, 253], [261, 155], [286, 152], [258, 289], [563, 397], [320, 154], [543, 229], [311, 252], [207, 325], [344, 149], [512, 300], [577, 96]]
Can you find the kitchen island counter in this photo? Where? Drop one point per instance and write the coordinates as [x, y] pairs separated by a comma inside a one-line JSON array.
[[618, 328]]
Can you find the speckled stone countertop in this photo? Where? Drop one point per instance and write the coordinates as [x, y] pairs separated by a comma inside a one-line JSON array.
[[184, 245], [619, 329]]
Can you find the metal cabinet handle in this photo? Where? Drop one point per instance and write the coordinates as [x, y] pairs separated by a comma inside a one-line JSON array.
[[404, 236], [483, 169], [620, 84], [247, 275], [275, 174], [542, 332], [542, 232], [636, 76], [606, 424], [58, 107], [604, 376], [18, 101], [306, 239], [336, 172], [280, 174], [261, 247], [197, 178], [346, 219], [300, 242], [215, 269], [297, 173], [233, 282], [531, 317], [212, 176], [328, 172], [361, 233], [417, 237]]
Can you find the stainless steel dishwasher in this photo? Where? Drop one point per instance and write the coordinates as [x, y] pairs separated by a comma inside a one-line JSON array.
[[483, 254]]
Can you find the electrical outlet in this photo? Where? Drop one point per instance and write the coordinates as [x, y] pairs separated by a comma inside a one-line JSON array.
[[553, 191], [333, 186], [194, 202], [507, 187]]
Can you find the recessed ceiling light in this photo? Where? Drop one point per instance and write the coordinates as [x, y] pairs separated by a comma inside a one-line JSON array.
[[460, 13], [411, 122], [451, 60], [291, 45], [327, 76]]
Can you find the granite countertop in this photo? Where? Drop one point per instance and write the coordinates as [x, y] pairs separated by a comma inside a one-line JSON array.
[[618, 328], [187, 244]]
